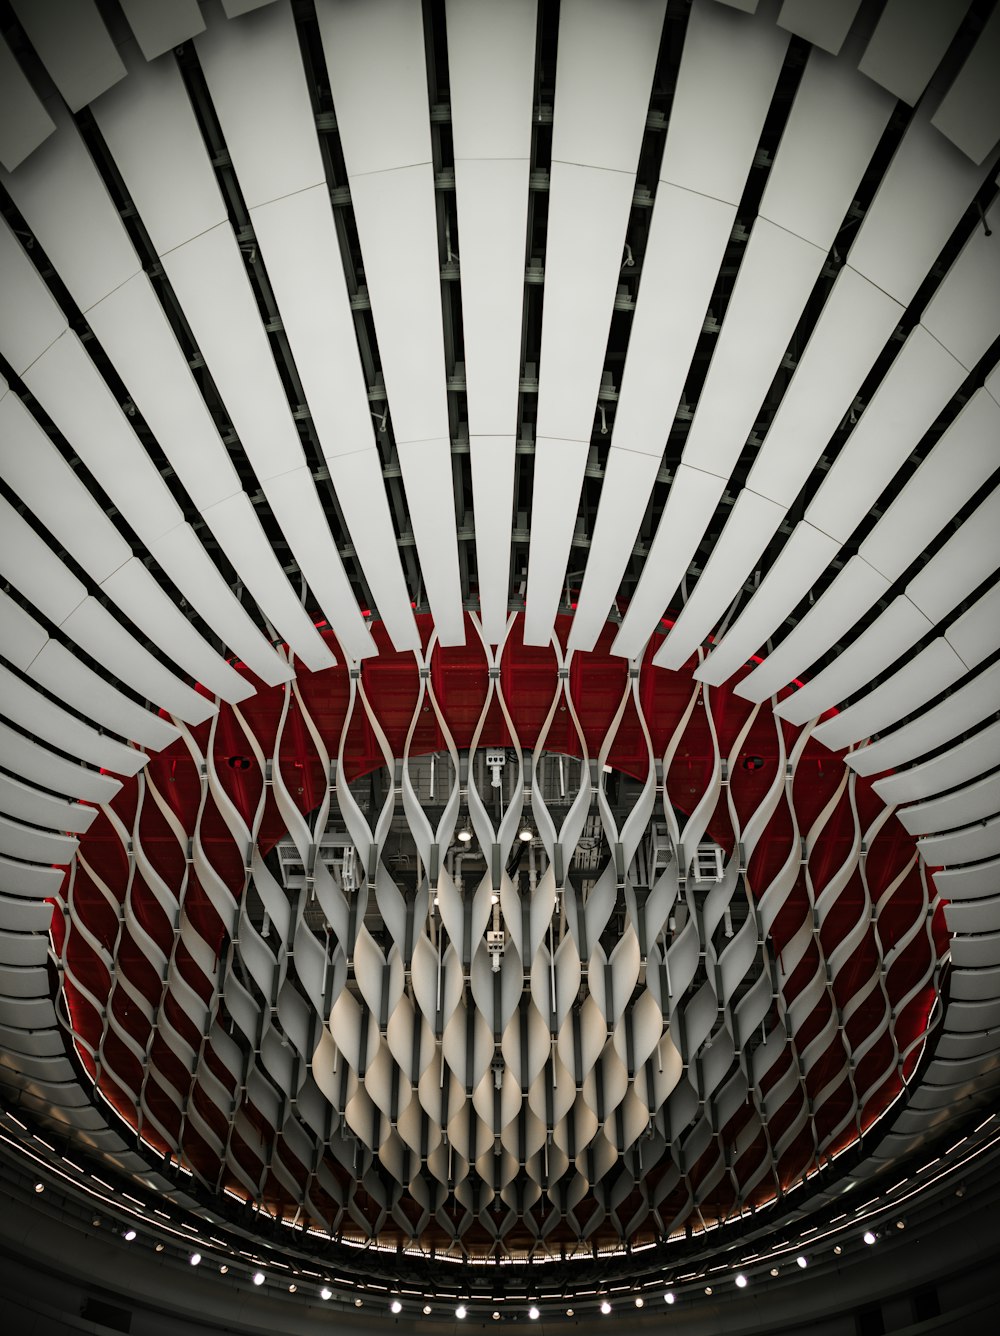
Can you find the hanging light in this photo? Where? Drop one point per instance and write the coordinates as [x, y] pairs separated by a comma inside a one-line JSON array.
[[465, 834], [326, 1293], [668, 1298], [396, 1306], [258, 1278], [741, 1281], [532, 1313], [605, 1307], [461, 1311], [526, 834]]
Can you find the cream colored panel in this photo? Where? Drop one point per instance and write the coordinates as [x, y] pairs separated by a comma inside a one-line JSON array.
[[976, 634], [958, 765], [24, 122], [36, 763], [74, 45], [976, 802], [908, 43], [969, 113], [158, 27], [41, 809], [825, 23], [962, 564]]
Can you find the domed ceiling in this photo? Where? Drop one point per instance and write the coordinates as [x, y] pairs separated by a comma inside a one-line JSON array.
[[499, 746]]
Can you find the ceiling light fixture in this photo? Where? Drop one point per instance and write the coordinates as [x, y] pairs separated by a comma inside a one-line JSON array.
[[708, 1289], [741, 1281], [39, 1187], [526, 834], [605, 1307], [258, 1278], [460, 1312], [802, 1262], [533, 1313], [465, 834], [129, 1235], [427, 1310], [223, 1270], [292, 1288], [638, 1301], [195, 1259], [396, 1306], [669, 1298], [868, 1237], [325, 1293]]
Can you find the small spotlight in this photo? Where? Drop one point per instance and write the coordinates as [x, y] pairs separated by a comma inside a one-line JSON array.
[[396, 1306], [129, 1235], [427, 1310], [532, 1313], [292, 1288], [741, 1282], [359, 1303], [668, 1298], [465, 834], [900, 1224], [775, 1271], [708, 1289], [461, 1311], [39, 1187], [801, 1261], [569, 1312], [605, 1307], [223, 1270], [494, 899], [525, 834], [837, 1249], [195, 1259], [868, 1237], [159, 1248], [326, 1293], [638, 1301], [496, 1316], [258, 1278]]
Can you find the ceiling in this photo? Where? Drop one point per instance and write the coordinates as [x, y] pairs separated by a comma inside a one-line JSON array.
[[360, 360]]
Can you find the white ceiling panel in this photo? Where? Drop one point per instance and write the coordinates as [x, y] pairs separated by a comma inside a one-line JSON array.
[[888, 638], [827, 621], [255, 76], [492, 503], [969, 113], [158, 28], [628, 481], [237, 529], [963, 709], [30, 320], [964, 562], [605, 61], [21, 637], [75, 47], [491, 77], [385, 122], [926, 189], [775, 278], [975, 802], [360, 487], [104, 638], [976, 634], [41, 478], [134, 332], [72, 682], [36, 763], [41, 846], [153, 135], [31, 711], [729, 68], [825, 23], [430, 502], [917, 387], [691, 502], [73, 394], [138, 595], [838, 108], [969, 845], [24, 122], [962, 461], [64, 201], [856, 321], [296, 506], [802, 560], [31, 565], [909, 41], [747, 533], [588, 216], [187, 565], [933, 670], [558, 469], [210, 280], [963, 313], [687, 241], [969, 759], [492, 201], [42, 809]]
